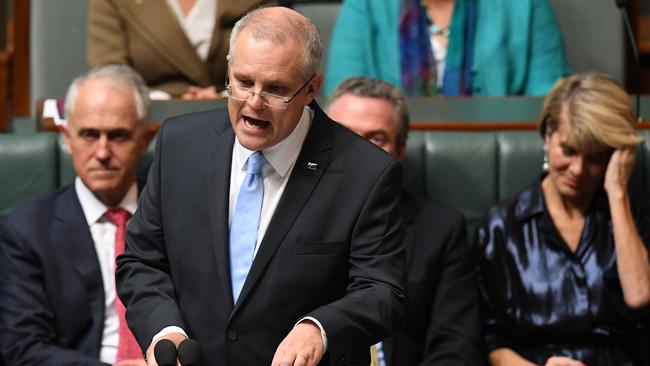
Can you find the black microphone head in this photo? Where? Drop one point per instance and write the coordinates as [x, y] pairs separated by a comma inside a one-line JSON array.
[[188, 352], [621, 3], [165, 353]]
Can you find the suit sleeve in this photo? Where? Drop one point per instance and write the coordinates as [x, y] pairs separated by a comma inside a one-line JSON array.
[[453, 336], [375, 300], [547, 60], [27, 334], [106, 36], [144, 281]]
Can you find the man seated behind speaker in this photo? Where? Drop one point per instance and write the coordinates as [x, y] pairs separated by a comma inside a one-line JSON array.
[[58, 304], [443, 328]]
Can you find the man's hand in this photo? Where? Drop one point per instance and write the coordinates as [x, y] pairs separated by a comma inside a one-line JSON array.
[[563, 361], [303, 346], [177, 338], [136, 362]]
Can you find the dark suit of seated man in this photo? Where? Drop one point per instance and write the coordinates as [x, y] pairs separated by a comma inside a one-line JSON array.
[[443, 328], [57, 255], [267, 232]]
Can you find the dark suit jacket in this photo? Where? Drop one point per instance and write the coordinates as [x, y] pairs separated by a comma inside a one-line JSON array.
[[333, 250], [147, 36], [443, 328], [51, 290]]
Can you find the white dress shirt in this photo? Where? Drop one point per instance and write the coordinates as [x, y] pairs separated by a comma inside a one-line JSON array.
[[103, 234], [281, 159], [198, 24]]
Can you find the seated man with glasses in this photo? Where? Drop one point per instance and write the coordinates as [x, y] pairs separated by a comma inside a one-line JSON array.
[[267, 232]]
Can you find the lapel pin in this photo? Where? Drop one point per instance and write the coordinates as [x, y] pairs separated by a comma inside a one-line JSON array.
[[312, 166]]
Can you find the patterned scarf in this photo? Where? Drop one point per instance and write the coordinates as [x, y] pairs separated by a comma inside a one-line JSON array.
[[416, 54]]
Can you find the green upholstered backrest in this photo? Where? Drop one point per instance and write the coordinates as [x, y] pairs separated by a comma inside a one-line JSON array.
[[468, 170], [28, 168]]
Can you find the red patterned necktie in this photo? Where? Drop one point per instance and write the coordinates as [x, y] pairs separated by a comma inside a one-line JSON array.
[[127, 348]]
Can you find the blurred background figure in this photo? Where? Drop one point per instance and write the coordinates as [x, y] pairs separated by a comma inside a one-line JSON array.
[[178, 46], [443, 328], [449, 47], [564, 269], [58, 304]]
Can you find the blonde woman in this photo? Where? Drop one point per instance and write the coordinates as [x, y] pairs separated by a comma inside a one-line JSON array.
[[563, 266]]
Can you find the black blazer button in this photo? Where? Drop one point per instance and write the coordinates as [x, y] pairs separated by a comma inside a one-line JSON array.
[[231, 335]]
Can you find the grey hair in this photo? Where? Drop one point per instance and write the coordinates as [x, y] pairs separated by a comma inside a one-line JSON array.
[[119, 76], [278, 30], [377, 89]]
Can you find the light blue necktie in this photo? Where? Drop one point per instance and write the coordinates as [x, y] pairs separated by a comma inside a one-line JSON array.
[[245, 222]]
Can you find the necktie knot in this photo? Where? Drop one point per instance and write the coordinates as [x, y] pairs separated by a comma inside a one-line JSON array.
[[255, 163], [117, 216]]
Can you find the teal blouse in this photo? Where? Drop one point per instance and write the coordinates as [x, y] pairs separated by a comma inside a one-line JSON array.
[[518, 47]]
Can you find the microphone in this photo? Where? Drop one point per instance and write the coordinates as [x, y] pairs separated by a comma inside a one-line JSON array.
[[165, 353], [622, 5], [188, 352]]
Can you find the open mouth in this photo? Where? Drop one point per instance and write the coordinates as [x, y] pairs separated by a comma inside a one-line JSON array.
[[255, 123]]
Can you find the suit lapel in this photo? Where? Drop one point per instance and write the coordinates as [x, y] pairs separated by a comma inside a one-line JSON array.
[[70, 232], [316, 149], [159, 27], [218, 166]]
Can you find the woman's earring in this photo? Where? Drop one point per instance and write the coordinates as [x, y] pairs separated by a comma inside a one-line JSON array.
[[545, 162]]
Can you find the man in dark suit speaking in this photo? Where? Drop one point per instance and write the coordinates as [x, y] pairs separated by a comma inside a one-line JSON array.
[[267, 232], [443, 329], [58, 304]]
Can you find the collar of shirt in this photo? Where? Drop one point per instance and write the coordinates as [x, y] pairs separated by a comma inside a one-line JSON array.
[[282, 156], [94, 208], [198, 25]]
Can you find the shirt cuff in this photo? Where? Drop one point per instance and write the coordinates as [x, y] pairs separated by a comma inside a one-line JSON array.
[[323, 335], [167, 330]]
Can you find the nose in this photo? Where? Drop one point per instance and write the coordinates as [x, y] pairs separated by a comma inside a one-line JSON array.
[[256, 102], [103, 151], [577, 166]]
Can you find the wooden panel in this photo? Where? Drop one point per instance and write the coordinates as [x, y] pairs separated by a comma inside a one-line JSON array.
[[644, 35], [4, 95], [19, 38], [486, 126]]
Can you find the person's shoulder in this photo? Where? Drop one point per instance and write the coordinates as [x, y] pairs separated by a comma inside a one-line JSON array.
[[195, 124], [522, 206], [40, 211], [208, 118], [429, 210]]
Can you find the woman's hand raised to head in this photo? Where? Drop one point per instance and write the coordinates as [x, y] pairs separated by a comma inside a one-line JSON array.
[[619, 171]]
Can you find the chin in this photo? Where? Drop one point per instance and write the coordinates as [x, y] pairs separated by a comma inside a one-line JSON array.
[[103, 185], [253, 143]]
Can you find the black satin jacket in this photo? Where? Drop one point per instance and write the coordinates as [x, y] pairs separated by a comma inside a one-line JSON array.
[[541, 299]]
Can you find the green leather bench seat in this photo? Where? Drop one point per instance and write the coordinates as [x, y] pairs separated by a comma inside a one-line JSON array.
[[468, 170]]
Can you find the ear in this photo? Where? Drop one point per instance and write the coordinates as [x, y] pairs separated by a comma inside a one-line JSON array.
[[313, 87], [150, 131], [547, 138], [65, 132], [401, 150]]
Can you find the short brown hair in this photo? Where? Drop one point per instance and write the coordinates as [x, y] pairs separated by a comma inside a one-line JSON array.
[[377, 89]]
